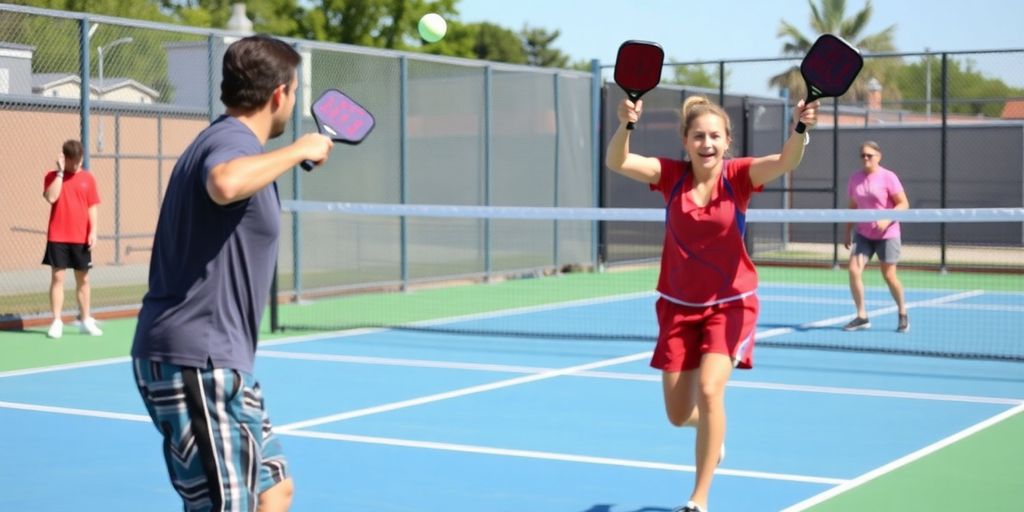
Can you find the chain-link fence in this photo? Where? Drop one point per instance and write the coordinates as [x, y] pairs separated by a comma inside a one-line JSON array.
[[456, 131], [950, 124], [449, 131]]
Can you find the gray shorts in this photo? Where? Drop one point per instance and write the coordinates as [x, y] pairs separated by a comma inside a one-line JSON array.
[[888, 249]]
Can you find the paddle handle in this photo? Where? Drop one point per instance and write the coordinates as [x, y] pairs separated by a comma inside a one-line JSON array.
[[634, 97]]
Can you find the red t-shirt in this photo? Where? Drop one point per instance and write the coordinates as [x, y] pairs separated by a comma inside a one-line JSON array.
[[704, 260], [69, 216]]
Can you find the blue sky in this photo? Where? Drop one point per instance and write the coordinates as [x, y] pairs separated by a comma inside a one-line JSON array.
[[729, 29]]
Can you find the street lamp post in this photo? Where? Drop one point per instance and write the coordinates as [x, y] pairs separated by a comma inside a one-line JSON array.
[[99, 50]]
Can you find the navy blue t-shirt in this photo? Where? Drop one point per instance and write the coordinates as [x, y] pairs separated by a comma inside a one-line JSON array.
[[211, 266]]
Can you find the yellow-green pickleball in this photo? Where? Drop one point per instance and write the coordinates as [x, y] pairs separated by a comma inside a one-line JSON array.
[[432, 27]]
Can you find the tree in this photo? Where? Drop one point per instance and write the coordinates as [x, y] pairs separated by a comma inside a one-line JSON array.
[[970, 92], [377, 23], [278, 17], [697, 75], [829, 16], [56, 41], [492, 42], [539, 51], [388, 24]]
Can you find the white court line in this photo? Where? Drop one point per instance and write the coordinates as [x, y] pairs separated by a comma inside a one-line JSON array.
[[1007, 308], [356, 332], [903, 461], [770, 386], [71, 411], [535, 309], [844, 288], [68, 366], [513, 311], [566, 371], [463, 392], [416, 363], [487, 450], [564, 457], [875, 312]]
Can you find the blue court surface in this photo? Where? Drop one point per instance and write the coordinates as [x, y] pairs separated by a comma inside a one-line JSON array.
[[396, 420]]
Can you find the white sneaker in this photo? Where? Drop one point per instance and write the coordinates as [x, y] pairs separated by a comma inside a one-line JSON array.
[[89, 327], [56, 329]]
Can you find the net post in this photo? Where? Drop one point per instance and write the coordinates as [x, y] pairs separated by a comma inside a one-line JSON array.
[[297, 183], [275, 323], [596, 140]]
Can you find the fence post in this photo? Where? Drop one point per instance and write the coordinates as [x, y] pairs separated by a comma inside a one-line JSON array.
[[942, 160], [210, 74], [835, 180], [84, 92], [159, 159], [595, 141], [117, 188], [297, 182], [557, 92], [403, 171], [487, 170], [721, 83]]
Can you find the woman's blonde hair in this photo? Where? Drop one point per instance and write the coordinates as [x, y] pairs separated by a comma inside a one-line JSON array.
[[698, 105]]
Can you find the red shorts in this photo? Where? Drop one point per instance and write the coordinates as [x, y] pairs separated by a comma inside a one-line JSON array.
[[686, 333]]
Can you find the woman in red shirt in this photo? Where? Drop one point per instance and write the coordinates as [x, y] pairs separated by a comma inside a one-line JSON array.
[[708, 308]]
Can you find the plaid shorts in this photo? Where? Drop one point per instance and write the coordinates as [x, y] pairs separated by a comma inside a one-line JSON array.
[[219, 445]]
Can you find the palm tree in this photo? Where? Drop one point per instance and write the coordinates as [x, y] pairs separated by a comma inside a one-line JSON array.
[[829, 16]]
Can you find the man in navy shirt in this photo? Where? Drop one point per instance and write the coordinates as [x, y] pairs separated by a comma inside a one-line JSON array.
[[209, 280]]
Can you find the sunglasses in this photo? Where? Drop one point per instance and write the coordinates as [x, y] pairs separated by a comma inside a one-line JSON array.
[[867, 155]]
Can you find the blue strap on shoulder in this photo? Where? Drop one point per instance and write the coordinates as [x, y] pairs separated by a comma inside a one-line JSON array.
[[741, 217]]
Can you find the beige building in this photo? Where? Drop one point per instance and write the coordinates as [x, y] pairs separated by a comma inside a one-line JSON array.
[[65, 85]]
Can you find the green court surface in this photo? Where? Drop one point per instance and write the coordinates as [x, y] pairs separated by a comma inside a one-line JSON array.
[[981, 472]]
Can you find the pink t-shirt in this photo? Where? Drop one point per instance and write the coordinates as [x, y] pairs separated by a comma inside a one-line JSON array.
[[875, 191]]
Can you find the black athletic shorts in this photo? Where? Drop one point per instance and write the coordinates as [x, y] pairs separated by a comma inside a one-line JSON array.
[[62, 255]]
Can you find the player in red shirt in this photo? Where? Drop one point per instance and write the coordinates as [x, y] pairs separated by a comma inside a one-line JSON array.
[[71, 234], [708, 308]]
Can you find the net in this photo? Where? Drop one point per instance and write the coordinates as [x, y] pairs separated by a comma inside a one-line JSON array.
[[590, 274]]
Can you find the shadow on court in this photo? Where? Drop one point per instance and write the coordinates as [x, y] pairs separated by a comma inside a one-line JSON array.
[[608, 508]]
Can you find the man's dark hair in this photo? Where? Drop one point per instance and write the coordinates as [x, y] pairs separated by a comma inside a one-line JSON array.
[[73, 149], [253, 68]]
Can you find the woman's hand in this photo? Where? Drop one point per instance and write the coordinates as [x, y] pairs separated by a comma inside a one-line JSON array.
[[807, 114], [629, 112]]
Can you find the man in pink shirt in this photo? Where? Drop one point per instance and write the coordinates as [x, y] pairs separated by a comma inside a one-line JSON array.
[[875, 188]]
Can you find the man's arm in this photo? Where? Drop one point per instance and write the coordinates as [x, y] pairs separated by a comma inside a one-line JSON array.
[[52, 192], [243, 177], [93, 215]]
